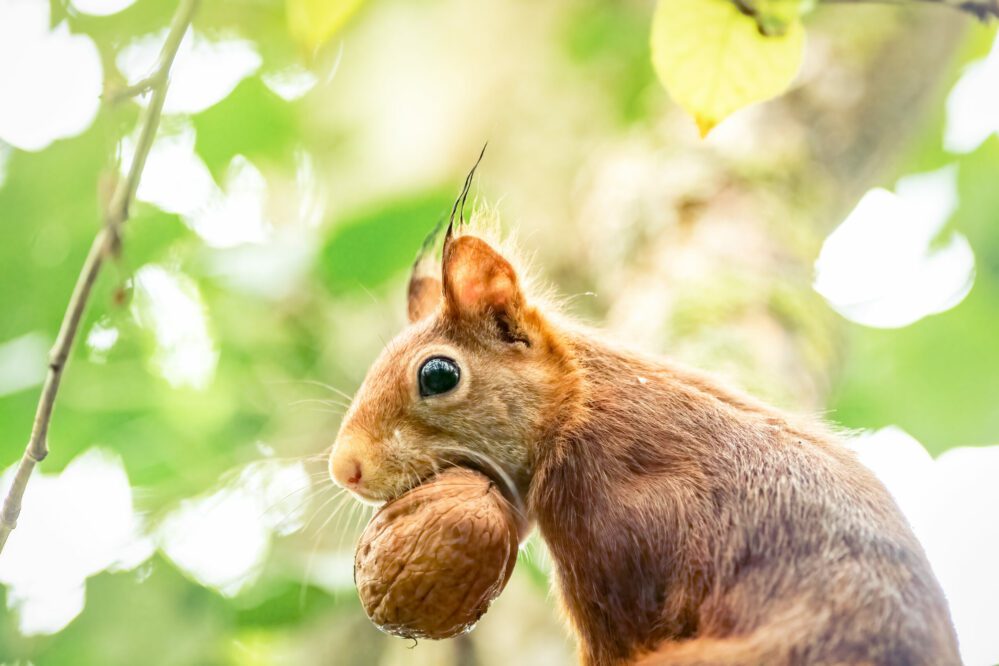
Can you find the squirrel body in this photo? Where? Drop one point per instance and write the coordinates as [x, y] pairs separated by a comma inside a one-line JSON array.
[[715, 530], [688, 524]]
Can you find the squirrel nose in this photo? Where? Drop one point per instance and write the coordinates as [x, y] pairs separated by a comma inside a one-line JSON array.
[[347, 468], [346, 471]]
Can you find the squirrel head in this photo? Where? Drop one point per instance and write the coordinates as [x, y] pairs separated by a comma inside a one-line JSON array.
[[474, 379]]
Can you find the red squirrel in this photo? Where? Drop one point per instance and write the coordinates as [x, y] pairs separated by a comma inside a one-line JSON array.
[[687, 523]]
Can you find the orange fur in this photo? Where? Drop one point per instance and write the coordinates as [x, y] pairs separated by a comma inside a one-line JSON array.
[[688, 523]]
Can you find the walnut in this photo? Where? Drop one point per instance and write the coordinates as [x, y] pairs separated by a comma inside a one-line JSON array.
[[430, 562]]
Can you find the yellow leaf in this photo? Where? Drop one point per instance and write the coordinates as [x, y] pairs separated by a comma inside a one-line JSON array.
[[713, 59], [312, 22]]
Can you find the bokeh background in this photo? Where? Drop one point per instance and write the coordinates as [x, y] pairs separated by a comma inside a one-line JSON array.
[[835, 251]]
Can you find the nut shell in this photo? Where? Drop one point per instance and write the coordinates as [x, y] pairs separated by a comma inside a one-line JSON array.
[[430, 562]]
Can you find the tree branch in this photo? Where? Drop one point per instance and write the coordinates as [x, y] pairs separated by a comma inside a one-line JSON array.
[[984, 10], [105, 244]]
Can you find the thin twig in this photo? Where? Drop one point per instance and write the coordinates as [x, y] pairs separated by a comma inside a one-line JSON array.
[[105, 244], [116, 92], [981, 9]]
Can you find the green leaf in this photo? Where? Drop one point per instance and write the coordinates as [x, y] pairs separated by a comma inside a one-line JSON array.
[[714, 60], [251, 121], [364, 252], [272, 604], [312, 22], [49, 214], [937, 378]]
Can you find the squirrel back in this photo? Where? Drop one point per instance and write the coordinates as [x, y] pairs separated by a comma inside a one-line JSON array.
[[688, 524], [707, 528]]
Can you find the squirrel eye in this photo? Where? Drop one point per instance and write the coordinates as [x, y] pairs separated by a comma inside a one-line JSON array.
[[437, 375]]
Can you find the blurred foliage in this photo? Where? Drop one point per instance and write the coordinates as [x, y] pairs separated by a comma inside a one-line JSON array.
[[609, 40], [939, 377], [313, 22], [572, 90]]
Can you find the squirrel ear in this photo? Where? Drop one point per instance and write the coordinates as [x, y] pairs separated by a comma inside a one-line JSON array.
[[478, 282], [425, 290], [425, 295]]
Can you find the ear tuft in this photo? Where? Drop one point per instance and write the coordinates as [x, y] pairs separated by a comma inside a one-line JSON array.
[[459, 203]]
